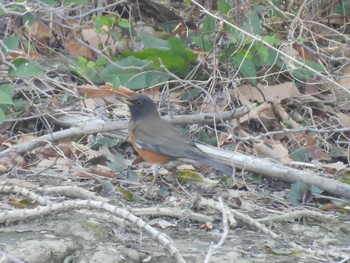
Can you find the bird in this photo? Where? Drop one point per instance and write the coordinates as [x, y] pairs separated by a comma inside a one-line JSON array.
[[158, 142]]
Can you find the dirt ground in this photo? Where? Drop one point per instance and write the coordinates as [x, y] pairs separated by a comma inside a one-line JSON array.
[[82, 235]]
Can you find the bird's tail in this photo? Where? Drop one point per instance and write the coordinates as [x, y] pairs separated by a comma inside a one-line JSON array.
[[229, 170]]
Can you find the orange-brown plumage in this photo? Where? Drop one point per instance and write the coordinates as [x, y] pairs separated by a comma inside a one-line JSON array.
[[157, 141]]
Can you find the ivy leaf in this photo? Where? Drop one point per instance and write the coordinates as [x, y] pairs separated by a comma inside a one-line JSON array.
[[76, 2], [154, 42], [129, 196], [2, 116], [303, 74], [24, 69], [223, 7], [209, 25], [247, 67], [6, 94], [299, 154], [11, 43]]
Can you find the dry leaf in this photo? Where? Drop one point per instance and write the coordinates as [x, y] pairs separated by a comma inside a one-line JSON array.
[[13, 161], [97, 40], [344, 119], [22, 203], [103, 171], [62, 164], [160, 223], [338, 166], [63, 148], [255, 111], [76, 48], [309, 143], [218, 102], [85, 151], [40, 32], [105, 90], [3, 169], [272, 149], [268, 93], [207, 226], [303, 52]]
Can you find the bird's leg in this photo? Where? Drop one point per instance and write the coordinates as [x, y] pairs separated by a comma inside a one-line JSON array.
[[155, 170]]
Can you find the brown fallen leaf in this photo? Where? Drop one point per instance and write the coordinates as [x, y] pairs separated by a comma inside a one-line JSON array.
[[103, 171], [272, 149], [207, 226], [268, 93], [62, 164], [76, 48], [106, 90], [160, 223], [21, 203]]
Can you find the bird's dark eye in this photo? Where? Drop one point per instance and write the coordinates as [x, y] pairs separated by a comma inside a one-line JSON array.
[[138, 102]]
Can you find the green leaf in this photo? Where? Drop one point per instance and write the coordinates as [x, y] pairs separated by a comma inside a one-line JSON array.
[[177, 48], [303, 73], [190, 93], [7, 88], [203, 42], [271, 40], [124, 23], [6, 94], [51, 3], [299, 154], [315, 190], [262, 51], [2, 116], [223, 7], [176, 59], [138, 77], [261, 55], [189, 176], [24, 69], [28, 19], [115, 34], [297, 192], [343, 10], [251, 23], [209, 25], [98, 141], [274, 59], [203, 136], [336, 151], [117, 166], [11, 43], [145, 68], [345, 179], [129, 196], [116, 82], [153, 42], [18, 105], [76, 2], [146, 79], [247, 68]]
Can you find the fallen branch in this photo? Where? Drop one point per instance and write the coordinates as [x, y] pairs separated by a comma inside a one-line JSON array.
[[248, 163], [275, 170], [163, 239], [232, 213], [101, 126], [291, 216]]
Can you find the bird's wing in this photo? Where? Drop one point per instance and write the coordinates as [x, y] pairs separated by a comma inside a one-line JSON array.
[[167, 140]]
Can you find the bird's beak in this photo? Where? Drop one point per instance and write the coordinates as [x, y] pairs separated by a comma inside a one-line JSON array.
[[126, 101]]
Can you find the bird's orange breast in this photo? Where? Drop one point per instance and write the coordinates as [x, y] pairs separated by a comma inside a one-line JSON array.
[[147, 155]]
